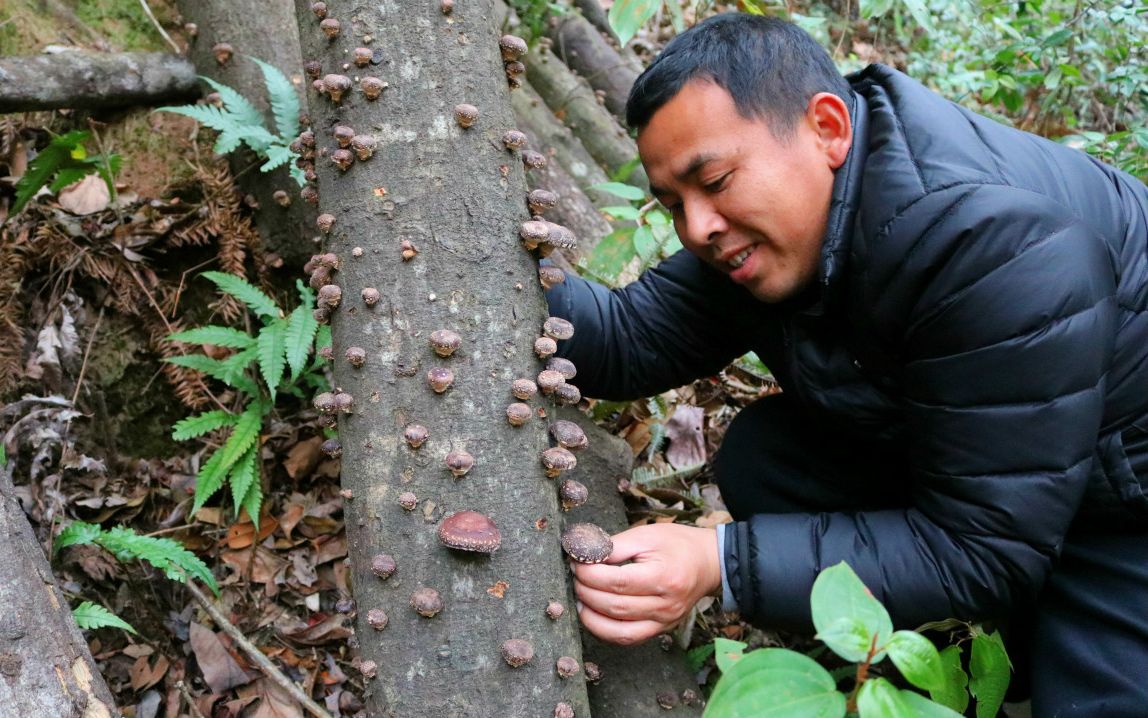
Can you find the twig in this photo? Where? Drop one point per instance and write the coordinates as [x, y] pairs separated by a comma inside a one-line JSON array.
[[191, 706], [150, 16], [87, 352], [263, 662]]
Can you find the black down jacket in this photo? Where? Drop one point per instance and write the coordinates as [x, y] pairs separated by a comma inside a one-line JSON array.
[[981, 303]]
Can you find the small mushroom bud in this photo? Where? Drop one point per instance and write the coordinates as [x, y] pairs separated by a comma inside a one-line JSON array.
[[415, 435], [566, 666], [550, 276], [408, 500], [313, 68], [689, 697], [357, 252], [355, 356], [540, 200], [222, 51], [549, 380], [556, 460], [572, 494], [544, 347], [554, 610], [321, 314], [330, 28], [327, 353], [364, 146], [335, 85], [469, 531], [362, 56], [563, 710], [514, 70], [568, 435], [523, 389], [191, 29], [517, 652], [558, 328], [459, 462], [567, 394], [565, 367], [512, 47], [426, 602], [343, 135], [324, 403], [330, 260], [344, 403], [318, 86], [332, 448], [329, 296], [518, 414], [325, 221], [307, 138], [368, 668], [532, 160], [445, 342], [372, 87], [343, 159], [370, 296], [533, 233], [320, 9], [383, 565], [377, 619], [465, 115], [587, 543], [667, 699], [440, 379], [326, 421], [281, 198], [513, 139], [446, 6]]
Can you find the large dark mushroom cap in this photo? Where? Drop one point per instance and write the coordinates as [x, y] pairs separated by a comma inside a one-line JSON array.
[[563, 366], [558, 328], [568, 435], [470, 531], [587, 543], [556, 460], [572, 493], [445, 342]]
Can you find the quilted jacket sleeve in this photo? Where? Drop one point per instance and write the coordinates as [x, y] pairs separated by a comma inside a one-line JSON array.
[[1000, 306], [679, 321]]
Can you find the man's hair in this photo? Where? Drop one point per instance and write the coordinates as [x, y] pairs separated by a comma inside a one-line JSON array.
[[771, 68]]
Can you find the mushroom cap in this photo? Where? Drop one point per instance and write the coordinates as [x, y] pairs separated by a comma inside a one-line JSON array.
[[372, 87], [667, 699], [343, 158], [512, 47], [426, 602], [556, 460], [325, 221], [549, 380], [415, 435], [377, 619], [332, 448], [440, 378], [370, 296], [330, 26], [383, 565], [355, 355], [587, 543], [459, 461], [445, 342], [568, 435], [533, 160], [554, 610], [344, 403], [513, 139], [330, 295], [523, 389], [557, 328], [545, 347], [566, 666], [563, 366], [567, 394], [408, 500], [364, 143], [465, 114], [560, 237], [339, 83], [563, 710], [343, 135], [532, 232], [541, 199], [320, 9], [517, 652], [518, 414], [362, 55], [470, 531], [572, 493], [324, 403]]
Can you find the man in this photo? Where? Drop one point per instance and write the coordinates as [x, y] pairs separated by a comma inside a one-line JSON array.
[[955, 312]]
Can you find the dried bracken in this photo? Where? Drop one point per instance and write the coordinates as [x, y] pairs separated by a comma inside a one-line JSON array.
[[470, 531]]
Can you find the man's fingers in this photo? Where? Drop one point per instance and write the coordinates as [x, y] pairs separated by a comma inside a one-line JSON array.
[[626, 633], [621, 607], [632, 579]]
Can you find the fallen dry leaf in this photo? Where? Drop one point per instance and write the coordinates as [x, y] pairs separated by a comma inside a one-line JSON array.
[[274, 702], [260, 567], [86, 196], [332, 628], [303, 457], [242, 534], [219, 669], [687, 441], [144, 675]]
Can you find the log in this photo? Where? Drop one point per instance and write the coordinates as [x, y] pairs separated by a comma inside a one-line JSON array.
[[593, 11], [581, 46], [83, 80], [456, 196]]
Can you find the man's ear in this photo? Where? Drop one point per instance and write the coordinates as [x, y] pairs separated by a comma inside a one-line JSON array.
[[828, 116]]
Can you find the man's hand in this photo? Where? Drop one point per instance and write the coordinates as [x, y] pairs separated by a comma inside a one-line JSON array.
[[671, 567]]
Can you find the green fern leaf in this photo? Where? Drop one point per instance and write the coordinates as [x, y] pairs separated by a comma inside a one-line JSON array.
[[227, 142], [211, 334], [245, 113], [284, 100], [90, 616], [297, 174], [271, 358], [253, 502], [232, 368], [76, 533], [200, 424], [277, 155], [167, 555], [214, 368], [246, 472], [246, 292], [244, 436], [208, 480], [208, 116], [299, 337], [258, 139]]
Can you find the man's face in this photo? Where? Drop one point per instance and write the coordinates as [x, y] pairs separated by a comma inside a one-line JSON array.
[[753, 207]]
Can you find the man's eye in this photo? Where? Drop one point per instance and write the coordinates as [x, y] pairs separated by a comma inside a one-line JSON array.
[[716, 185]]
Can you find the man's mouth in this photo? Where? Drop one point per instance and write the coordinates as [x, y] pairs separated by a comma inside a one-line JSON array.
[[738, 259]]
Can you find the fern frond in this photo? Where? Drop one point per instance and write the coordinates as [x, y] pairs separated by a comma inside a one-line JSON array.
[[297, 174], [214, 368], [211, 334], [284, 100], [227, 142], [246, 472], [271, 353], [208, 480], [300, 335], [89, 616], [277, 156], [200, 424], [208, 116], [76, 533], [246, 292], [253, 503], [258, 139], [167, 555], [237, 105], [234, 366], [245, 434]]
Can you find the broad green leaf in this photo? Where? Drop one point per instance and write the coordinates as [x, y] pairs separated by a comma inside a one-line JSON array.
[[91, 616], [627, 16], [988, 673], [1052, 80], [246, 292], [200, 424], [238, 106], [1057, 38], [920, 12], [622, 212], [208, 480], [727, 652], [848, 637], [839, 594], [272, 357], [211, 334], [165, 554], [69, 175], [244, 436], [299, 337], [620, 189], [953, 693], [75, 533], [612, 254], [645, 244], [922, 707], [776, 683], [917, 659], [57, 154], [283, 98], [878, 698], [246, 472]]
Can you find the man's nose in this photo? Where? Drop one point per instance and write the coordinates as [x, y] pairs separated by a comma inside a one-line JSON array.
[[703, 223]]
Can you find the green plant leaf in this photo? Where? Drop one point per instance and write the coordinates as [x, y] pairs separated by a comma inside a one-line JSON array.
[[208, 480], [727, 652], [283, 98], [277, 156], [243, 113], [622, 212], [165, 554], [839, 595], [878, 698], [245, 472], [76, 533], [620, 189], [299, 337], [211, 334], [920, 12], [953, 693], [233, 367], [917, 659], [696, 656], [244, 436], [988, 673], [776, 683], [246, 292], [208, 116], [922, 707], [253, 502], [60, 153], [200, 424], [272, 357], [627, 16], [612, 254], [90, 616]]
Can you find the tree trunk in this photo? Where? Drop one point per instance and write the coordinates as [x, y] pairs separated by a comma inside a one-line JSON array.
[[457, 195], [82, 80], [267, 31], [45, 666], [584, 50]]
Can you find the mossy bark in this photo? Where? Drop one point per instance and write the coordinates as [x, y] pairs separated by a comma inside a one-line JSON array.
[[458, 195]]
